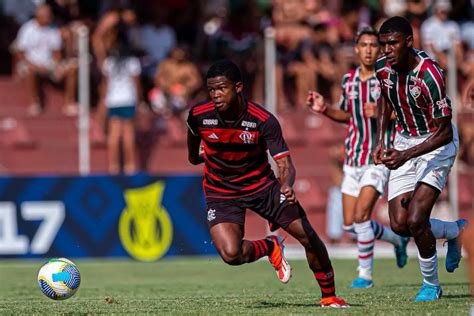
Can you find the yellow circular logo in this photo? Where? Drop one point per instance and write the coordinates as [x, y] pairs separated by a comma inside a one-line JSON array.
[[145, 227]]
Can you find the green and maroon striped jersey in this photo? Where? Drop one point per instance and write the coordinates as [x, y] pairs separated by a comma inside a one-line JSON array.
[[361, 133], [418, 97]]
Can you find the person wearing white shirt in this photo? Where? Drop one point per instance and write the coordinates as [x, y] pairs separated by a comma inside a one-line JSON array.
[[39, 52], [439, 34], [122, 88]]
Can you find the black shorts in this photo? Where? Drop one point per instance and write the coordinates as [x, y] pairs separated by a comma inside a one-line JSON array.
[[269, 203]]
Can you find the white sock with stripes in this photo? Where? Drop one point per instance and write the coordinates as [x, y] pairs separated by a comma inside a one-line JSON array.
[[429, 269], [444, 230], [384, 233], [365, 247]]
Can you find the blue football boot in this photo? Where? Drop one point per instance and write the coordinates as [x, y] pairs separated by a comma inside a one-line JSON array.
[[454, 255], [401, 252], [361, 283], [428, 293]]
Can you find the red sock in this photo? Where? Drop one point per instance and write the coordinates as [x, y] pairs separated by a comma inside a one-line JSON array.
[[325, 280], [261, 248]]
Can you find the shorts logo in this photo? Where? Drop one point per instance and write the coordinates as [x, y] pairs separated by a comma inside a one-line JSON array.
[[210, 122], [247, 137], [436, 174], [282, 198], [415, 91], [211, 215]]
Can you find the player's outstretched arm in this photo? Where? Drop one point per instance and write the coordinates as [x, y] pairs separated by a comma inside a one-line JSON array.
[[287, 174], [442, 136], [317, 104], [384, 116]]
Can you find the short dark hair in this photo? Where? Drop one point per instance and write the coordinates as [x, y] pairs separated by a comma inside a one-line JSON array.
[[367, 30], [226, 68], [396, 24]]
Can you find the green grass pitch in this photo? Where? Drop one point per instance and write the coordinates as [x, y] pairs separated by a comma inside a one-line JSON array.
[[208, 286]]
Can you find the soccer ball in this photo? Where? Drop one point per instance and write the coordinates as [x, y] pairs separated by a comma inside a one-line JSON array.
[[59, 279]]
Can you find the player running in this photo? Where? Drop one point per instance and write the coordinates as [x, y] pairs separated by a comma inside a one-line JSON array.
[[363, 181], [425, 147], [235, 134]]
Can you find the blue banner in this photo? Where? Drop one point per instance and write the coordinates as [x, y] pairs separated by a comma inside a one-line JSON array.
[[144, 217]]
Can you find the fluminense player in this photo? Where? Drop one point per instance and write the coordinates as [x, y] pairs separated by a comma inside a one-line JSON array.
[[363, 181], [424, 149], [235, 134]]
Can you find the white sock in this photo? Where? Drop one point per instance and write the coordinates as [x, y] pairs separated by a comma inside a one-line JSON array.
[[384, 233], [471, 312], [365, 247], [429, 269], [444, 230]]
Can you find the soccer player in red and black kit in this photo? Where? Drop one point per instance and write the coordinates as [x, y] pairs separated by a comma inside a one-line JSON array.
[[423, 152], [235, 135]]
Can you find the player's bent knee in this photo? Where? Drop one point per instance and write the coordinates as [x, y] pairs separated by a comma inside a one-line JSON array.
[[231, 257], [400, 228], [416, 226]]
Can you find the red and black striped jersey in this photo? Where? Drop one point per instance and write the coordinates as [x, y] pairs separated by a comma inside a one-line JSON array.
[[361, 133], [418, 97], [235, 153]]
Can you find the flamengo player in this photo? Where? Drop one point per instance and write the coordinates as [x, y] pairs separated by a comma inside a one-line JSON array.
[[425, 147], [363, 181], [236, 134]]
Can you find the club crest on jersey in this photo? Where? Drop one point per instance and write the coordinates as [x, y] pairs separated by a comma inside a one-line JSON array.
[[247, 137], [375, 92], [415, 91]]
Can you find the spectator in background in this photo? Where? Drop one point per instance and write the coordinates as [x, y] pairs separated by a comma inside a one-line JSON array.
[[318, 55], [121, 72], [39, 53], [439, 34], [106, 32], [176, 81], [157, 39]]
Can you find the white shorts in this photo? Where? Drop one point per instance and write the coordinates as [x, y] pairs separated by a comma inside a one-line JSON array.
[[431, 168], [355, 178]]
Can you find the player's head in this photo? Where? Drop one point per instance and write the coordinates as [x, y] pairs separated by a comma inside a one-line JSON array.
[[224, 84], [396, 39], [367, 46]]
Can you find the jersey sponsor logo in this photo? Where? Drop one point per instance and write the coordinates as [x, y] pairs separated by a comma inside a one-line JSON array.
[[249, 124], [247, 137], [352, 95], [213, 136], [375, 92], [388, 83], [415, 91], [210, 122], [211, 215], [442, 104]]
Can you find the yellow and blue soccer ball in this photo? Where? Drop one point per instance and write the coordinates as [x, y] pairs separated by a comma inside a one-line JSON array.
[[59, 279]]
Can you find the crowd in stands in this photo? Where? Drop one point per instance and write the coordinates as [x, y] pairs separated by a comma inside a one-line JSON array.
[[173, 42]]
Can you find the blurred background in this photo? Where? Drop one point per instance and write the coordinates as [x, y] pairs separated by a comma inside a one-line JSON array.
[[75, 183]]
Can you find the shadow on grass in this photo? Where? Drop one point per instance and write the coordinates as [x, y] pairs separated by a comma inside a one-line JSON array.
[[265, 304], [456, 296]]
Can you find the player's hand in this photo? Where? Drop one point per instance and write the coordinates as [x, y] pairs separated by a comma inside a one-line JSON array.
[[315, 102], [378, 153], [394, 159], [370, 109], [289, 193]]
